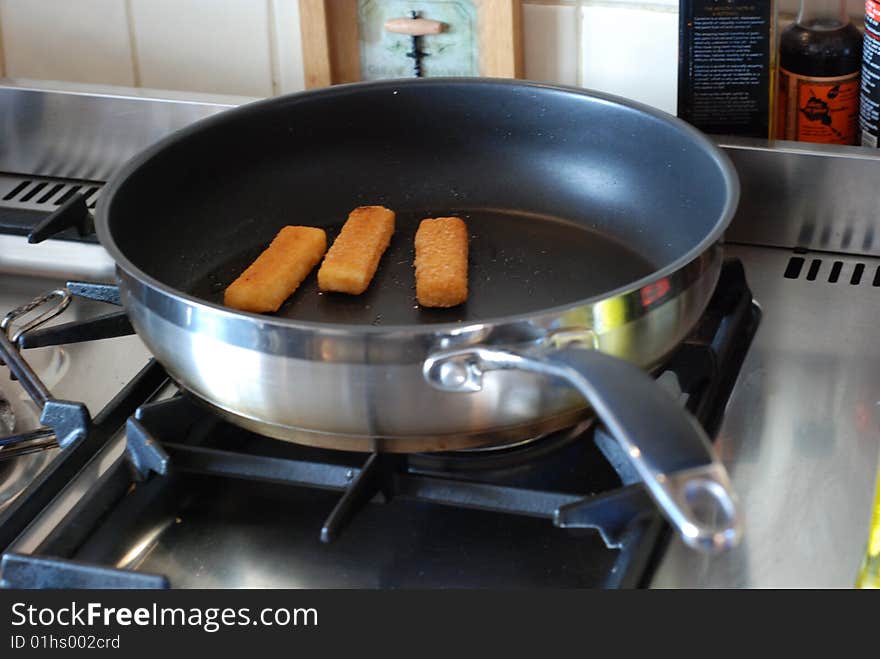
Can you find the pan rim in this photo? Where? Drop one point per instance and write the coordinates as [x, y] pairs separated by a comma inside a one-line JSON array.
[[719, 158]]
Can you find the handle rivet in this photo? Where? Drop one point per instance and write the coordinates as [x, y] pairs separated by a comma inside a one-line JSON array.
[[453, 373]]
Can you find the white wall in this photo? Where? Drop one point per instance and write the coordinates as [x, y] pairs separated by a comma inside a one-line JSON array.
[[252, 47], [246, 47], [622, 47]]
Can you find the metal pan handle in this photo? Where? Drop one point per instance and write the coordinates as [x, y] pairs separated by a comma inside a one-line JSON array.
[[665, 443]]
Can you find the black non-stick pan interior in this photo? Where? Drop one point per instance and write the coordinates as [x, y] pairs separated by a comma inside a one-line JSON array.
[[517, 264], [565, 196]]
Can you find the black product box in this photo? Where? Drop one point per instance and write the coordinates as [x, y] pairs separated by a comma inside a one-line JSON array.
[[725, 66]]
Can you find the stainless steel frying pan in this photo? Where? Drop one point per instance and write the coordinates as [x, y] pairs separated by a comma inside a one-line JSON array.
[[595, 245]]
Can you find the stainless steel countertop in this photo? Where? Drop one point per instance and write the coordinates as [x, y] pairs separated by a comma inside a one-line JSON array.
[[800, 436]]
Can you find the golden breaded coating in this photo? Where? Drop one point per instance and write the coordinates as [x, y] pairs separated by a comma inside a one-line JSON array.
[[441, 262], [352, 260], [278, 271]]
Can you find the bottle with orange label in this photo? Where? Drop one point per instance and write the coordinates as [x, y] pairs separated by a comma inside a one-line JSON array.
[[869, 110], [820, 60]]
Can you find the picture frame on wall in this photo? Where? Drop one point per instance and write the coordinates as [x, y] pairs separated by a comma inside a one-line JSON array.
[[348, 40]]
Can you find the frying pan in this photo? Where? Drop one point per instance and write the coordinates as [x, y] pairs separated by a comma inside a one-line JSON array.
[[595, 228]]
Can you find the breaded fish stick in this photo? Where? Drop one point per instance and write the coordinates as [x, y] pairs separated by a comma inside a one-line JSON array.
[[278, 271], [441, 262], [352, 260]]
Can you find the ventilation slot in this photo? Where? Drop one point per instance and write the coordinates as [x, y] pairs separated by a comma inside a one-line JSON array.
[[813, 272], [12, 194], [54, 191], [30, 194], [91, 199], [856, 277], [67, 195], [834, 275], [795, 265]]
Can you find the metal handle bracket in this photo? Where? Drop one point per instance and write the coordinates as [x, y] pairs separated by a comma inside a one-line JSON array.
[[665, 444]]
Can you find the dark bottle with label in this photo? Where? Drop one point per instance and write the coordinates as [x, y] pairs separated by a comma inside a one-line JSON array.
[[869, 110], [820, 61]]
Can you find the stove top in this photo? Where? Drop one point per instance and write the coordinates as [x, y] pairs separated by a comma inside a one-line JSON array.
[[197, 502], [148, 489]]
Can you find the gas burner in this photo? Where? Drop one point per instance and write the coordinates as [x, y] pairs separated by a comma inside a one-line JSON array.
[[507, 456]]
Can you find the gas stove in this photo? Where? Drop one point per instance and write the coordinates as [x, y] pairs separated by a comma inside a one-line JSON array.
[[130, 483], [195, 501]]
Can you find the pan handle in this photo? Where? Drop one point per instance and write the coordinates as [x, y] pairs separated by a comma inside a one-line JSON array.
[[665, 443]]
